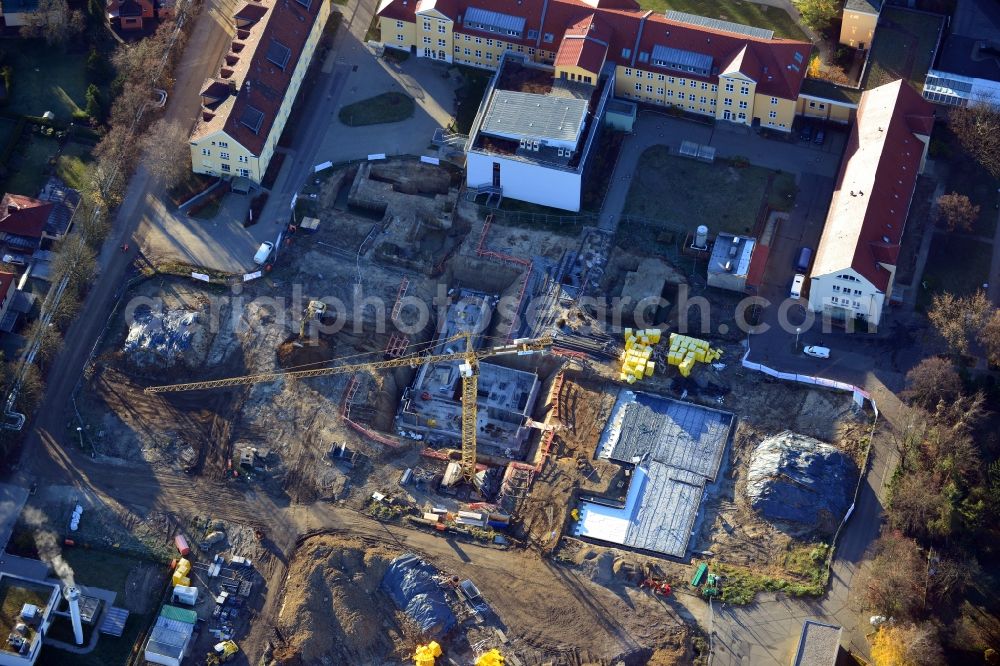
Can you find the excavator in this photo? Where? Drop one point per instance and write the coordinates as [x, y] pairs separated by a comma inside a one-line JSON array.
[[221, 653], [468, 369]]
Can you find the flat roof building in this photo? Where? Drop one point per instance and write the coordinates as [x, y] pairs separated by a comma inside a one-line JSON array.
[[534, 132], [819, 644], [26, 608], [171, 636], [676, 449], [968, 63], [729, 265]]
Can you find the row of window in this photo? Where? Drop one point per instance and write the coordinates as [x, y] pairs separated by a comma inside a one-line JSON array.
[[845, 302], [847, 290], [207, 152]]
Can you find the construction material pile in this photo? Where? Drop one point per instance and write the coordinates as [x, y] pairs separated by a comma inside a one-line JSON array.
[[181, 571], [637, 363], [163, 338], [685, 351], [798, 479], [410, 583]]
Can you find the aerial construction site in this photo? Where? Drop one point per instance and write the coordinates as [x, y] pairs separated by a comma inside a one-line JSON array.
[[416, 427]]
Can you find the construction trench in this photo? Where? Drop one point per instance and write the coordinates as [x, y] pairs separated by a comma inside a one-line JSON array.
[[558, 489]]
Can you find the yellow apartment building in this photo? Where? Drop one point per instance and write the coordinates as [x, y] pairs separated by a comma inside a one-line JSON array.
[[246, 105]]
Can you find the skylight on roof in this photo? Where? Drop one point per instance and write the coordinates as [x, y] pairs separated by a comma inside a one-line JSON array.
[[278, 54], [253, 118], [304, 3]]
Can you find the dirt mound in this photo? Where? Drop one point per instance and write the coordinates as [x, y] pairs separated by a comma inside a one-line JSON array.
[[293, 353], [333, 610]]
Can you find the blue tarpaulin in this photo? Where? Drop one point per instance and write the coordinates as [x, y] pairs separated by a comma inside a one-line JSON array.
[[410, 583]]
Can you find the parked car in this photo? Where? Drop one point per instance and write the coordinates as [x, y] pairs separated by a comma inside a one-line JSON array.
[[820, 137], [806, 133], [797, 283], [803, 259], [816, 351], [263, 253]]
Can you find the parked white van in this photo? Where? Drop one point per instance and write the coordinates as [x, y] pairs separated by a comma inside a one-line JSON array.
[[263, 253], [797, 283]]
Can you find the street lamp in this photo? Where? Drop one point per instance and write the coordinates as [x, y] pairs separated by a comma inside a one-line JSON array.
[[797, 332], [79, 432]]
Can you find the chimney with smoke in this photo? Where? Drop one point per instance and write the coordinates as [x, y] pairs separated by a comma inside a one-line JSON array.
[[72, 594]]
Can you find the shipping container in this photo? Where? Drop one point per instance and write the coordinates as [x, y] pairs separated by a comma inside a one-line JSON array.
[[182, 545]]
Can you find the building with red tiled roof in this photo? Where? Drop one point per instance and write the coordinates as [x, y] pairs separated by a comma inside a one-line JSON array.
[[855, 264], [731, 72], [22, 221], [245, 107]]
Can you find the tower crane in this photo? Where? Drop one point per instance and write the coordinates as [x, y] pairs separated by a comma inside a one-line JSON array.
[[468, 369]]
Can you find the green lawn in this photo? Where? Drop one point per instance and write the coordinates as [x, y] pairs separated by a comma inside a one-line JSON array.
[[903, 47], [737, 11], [956, 264], [46, 79], [108, 570], [390, 107], [28, 167], [73, 164], [967, 176], [688, 193]]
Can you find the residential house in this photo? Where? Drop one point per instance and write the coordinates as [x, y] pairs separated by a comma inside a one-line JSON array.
[[858, 21], [245, 107], [17, 13], [852, 276], [535, 129], [22, 226], [709, 67], [968, 63], [130, 15]]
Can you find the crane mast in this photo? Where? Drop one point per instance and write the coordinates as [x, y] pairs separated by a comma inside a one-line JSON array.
[[468, 369]]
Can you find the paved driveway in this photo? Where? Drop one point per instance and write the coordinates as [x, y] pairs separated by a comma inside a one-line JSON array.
[[428, 82]]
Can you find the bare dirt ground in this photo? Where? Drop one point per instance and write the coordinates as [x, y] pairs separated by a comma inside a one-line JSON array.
[[318, 599], [333, 610], [584, 406]]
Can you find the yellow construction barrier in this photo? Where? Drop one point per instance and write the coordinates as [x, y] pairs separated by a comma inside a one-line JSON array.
[[426, 654], [685, 351], [491, 658]]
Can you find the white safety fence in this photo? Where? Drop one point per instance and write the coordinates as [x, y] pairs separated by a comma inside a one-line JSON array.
[[860, 395]]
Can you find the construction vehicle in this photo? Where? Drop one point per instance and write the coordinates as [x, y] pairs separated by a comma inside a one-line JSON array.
[[468, 369], [221, 653], [315, 310]]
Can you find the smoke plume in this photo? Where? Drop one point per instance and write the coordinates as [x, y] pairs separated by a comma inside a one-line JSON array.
[[47, 544]]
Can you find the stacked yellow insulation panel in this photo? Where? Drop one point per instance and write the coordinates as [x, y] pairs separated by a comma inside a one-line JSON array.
[[637, 362], [685, 351]]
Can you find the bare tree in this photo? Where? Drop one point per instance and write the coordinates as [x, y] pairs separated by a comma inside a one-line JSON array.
[[54, 22], [75, 259], [957, 319], [166, 152], [989, 338], [893, 583], [50, 342], [932, 380], [977, 127], [957, 211]]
